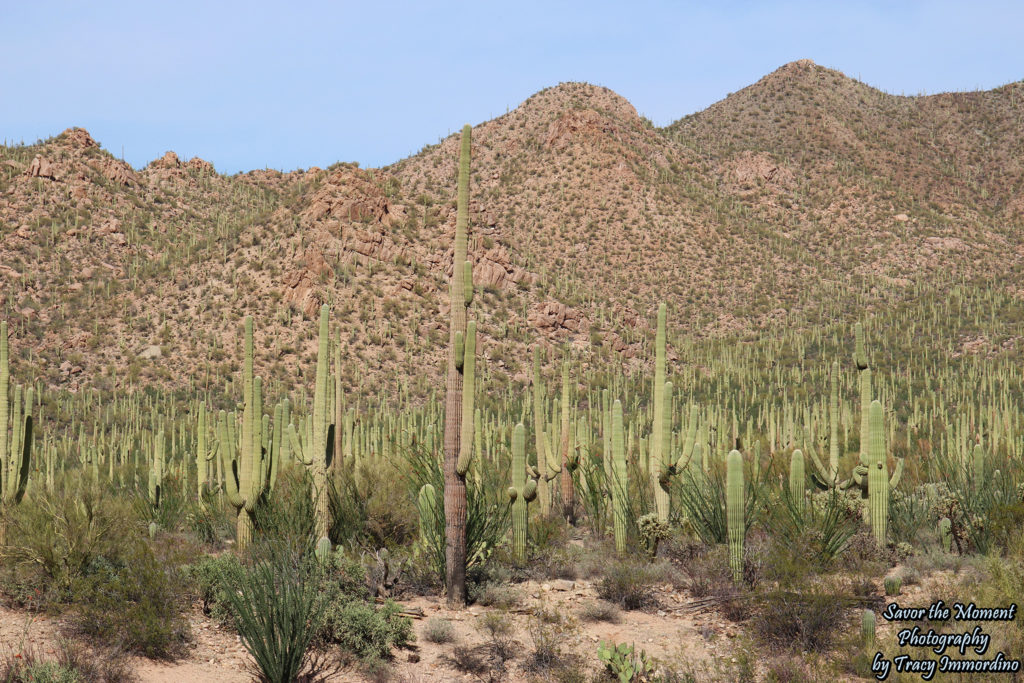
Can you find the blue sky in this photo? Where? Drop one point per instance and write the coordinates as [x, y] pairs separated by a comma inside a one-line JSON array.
[[250, 84]]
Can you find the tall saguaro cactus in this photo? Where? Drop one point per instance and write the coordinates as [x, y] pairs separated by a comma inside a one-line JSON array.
[[620, 480], [862, 361], [242, 461], [659, 448], [15, 451], [567, 459], [455, 466], [315, 450], [734, 512]]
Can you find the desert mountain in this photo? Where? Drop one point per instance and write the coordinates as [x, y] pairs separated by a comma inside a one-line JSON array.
[[804, 198]]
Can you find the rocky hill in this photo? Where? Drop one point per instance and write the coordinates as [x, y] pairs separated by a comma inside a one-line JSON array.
[[806, 197]]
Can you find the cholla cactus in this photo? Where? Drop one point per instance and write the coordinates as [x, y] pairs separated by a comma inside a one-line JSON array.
[[652, 532]]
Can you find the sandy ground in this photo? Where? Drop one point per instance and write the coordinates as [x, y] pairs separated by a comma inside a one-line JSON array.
[[672, 631]]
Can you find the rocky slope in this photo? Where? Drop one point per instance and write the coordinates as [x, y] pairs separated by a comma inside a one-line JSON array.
[[805, 197]]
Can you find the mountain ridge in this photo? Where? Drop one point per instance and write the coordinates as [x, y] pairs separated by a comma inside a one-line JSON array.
[[803, 198]]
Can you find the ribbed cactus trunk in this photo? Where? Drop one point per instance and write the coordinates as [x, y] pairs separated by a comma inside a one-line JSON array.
[[244, 521], [620, 482], [15, 452], [568, 503], [860, 359], [5, 382], [833, 423], [454, 484], [796, 480], [522, 491], [659, 448], [543, 487], [320, 427], [734, 512], [878, 475]]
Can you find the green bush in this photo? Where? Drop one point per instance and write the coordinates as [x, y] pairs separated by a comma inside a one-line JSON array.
[[53, 537], [131, 602], [70, 664], [368, 633], [209, 579], [628, 584]]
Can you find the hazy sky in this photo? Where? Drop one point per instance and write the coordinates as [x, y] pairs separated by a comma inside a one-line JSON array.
[[249, 84]]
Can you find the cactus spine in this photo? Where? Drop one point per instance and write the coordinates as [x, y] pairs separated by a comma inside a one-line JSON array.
[[734, 512]]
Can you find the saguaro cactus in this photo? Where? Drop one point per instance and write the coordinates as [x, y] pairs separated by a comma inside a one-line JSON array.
[[522, 492], [16, 451], [878, 474], [861, 361], [454, 481], [659, 461], [796, 479], [567, 453], [244, 460], [620, 479], [319, 446], [734, 512]]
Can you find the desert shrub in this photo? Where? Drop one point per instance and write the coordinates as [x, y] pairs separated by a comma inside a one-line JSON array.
[[815, 528], [53, 537], [285, 519], [209, 579], [131, 601], [628, 584], [351, 620], [800, 619], [499, 632], [501, 596], [369, 507], [207, 523], [365, 631], [548, 629], [438, 630], [599, 610], [71, 663], [983, 511]]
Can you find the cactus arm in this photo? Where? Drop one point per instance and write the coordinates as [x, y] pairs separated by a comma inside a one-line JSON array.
[[897, 474], [467, 282], [297, 446], [16, 491], [468, 396]]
